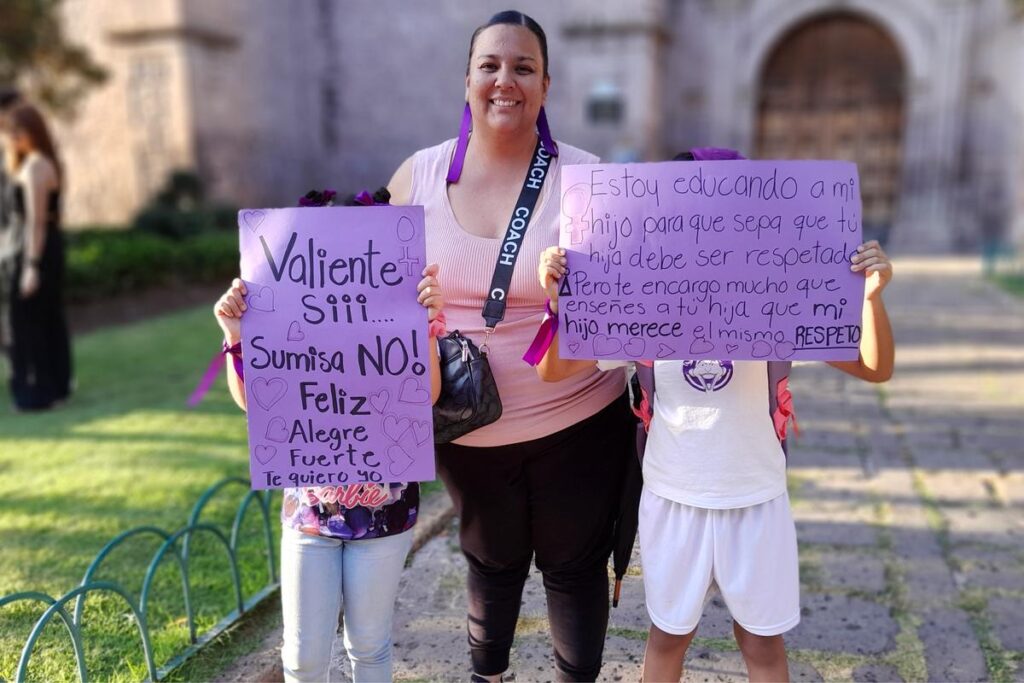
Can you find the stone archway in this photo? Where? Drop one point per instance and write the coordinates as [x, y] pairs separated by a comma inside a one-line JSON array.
[[834, 87]]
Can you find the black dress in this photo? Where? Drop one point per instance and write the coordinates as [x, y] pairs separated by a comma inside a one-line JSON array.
[[39, 346]]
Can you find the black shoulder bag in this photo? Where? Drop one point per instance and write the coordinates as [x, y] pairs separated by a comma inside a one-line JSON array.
[[469, 397]]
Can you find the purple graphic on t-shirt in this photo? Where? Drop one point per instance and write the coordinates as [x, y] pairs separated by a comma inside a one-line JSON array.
[[353, 512], [707, 375]]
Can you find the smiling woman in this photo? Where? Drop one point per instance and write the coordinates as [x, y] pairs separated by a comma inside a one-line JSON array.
[[507, 478]]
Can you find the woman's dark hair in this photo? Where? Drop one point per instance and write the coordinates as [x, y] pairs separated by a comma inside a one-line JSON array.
[[26, 119], [513, 18]]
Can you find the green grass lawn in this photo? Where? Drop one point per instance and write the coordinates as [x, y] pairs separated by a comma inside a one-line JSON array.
[[125, 451], [1013, 283]]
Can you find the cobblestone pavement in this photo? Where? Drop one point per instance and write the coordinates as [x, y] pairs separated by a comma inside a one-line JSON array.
[[908, 499]]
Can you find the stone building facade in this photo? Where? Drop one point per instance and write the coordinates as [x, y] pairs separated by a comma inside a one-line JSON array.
[[266, 99]]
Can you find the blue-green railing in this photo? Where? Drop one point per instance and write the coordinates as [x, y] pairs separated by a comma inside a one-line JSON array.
[[57, 607]]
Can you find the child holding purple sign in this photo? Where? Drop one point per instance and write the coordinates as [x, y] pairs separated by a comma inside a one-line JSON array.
[[340, 543], [714, 507]]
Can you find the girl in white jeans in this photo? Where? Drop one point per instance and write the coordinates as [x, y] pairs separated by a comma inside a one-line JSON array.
[[316, 572], [341, 545]]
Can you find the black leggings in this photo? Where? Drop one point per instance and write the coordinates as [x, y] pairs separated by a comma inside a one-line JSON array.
[[556, 497]]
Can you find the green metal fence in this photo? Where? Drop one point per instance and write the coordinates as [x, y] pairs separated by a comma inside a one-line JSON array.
[[178, 545]]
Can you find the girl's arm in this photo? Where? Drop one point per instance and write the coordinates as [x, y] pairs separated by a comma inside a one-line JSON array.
[[877, 348], [431, 298], [228, 311], [551, 367], [400, 185]]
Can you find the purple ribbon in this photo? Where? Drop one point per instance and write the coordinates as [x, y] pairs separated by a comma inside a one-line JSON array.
[[544, 130], [459, 158], [545, 336], [455, 170], [365, 198], [213, 369]]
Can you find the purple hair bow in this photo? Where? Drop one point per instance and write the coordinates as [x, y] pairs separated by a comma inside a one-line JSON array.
[[715, 154]]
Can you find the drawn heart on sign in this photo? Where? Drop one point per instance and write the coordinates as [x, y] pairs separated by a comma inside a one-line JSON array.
[[413, 392], [262, 300], [762, 349], [574, 346], [606, 346], [784, 349], [277, 430], [394, 427], [253, 219], [731, 348], [421, 431], [295, 332], [634, 347], [664, 350], [399, 461], [268, 392], [265, 454], [379, 401], [701, 346]]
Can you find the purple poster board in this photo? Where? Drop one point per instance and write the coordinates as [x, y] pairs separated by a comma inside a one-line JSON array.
[[724, 260], [334, 344]]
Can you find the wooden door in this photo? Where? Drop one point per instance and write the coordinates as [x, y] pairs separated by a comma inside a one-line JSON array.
[[833, 88]]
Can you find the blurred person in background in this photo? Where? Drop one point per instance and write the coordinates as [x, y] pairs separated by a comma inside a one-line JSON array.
[[32, 262], [9, 97]]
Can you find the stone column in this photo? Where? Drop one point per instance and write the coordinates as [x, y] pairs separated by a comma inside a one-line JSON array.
[[927, 220], [617, 48]]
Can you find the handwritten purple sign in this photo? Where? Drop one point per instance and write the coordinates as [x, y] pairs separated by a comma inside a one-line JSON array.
[[335, 346], [734, 260]]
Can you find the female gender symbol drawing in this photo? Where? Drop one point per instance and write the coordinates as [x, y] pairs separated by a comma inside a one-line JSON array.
[[405, 231], [575, 203]]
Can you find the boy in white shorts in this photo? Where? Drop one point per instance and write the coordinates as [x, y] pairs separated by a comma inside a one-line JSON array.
[[715, 510]]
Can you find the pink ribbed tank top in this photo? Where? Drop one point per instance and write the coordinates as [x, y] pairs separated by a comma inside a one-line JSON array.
[[531, 408]]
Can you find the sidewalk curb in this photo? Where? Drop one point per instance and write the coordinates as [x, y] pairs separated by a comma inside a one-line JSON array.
[[436, 513]]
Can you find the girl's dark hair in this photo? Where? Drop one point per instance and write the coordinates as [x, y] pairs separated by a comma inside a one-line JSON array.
[[513, 18], [381, 196]]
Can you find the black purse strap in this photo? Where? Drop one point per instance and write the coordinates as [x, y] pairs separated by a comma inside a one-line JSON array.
[[511, 245]]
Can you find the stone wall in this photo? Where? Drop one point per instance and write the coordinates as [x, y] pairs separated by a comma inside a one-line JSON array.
[[268, 99], [129, 132]]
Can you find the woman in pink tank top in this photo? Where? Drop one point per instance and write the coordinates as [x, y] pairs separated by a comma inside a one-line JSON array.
[[543, 480]]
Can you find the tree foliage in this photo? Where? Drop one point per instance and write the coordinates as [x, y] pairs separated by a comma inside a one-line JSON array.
[[36, 55]]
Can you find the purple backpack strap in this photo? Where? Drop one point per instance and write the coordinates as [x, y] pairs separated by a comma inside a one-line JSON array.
[[643, 403], [778, 373]]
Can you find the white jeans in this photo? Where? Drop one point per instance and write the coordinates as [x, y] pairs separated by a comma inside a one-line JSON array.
[[316, 572]]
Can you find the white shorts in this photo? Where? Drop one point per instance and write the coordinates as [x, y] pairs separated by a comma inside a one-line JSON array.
[[750, 553]]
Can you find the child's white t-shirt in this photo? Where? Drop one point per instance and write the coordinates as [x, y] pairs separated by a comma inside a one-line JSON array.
[[712, 443]]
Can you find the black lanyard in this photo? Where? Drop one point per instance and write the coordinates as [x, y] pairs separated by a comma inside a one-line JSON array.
[[512, 243]]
